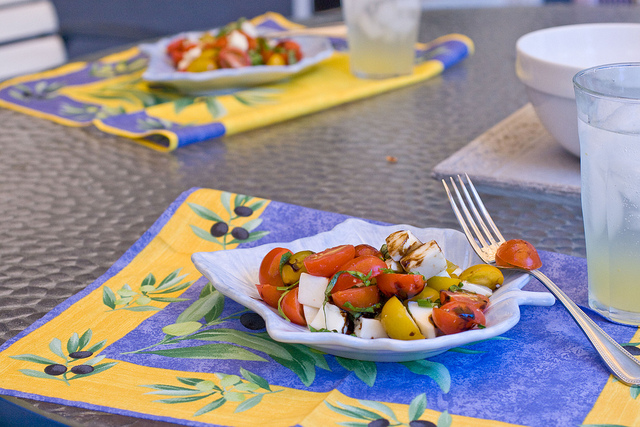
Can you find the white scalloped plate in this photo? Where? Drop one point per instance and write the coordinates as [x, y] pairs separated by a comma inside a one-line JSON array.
[[161, 69], [235, 272]]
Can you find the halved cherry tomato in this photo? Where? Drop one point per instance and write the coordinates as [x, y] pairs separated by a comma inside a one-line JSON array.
[[216, 43], [177, 48], [401, 285], [292, 308], [232, 57], [269, 273], [291, 46], [270, 294], [364, 249], [345, 281], [362, 297], [468, 298], [365, 264], [329, 261], [518, 253], [457, 316]]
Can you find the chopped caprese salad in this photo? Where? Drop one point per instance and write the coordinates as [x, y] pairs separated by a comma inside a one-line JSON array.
[[405, 290], [235, 45]]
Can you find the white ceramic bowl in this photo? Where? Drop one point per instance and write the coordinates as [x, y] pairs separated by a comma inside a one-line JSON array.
[[235, 272], [547, 60]]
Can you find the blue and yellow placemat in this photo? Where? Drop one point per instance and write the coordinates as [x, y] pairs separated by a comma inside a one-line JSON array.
[[111, 94], [121, 346]]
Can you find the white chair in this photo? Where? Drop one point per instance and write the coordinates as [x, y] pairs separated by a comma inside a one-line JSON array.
[[29, 39]]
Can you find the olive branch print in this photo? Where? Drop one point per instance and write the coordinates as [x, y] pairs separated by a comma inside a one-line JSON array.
[[228, 388], [41, 90], [202, 319], [216, 109], [126, 298], [73, 360], [110, 70], [225, 232], [377, 414], [229, 343]]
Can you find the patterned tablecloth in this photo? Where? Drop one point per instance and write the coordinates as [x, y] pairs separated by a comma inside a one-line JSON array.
[[112, 95], [120, 346]]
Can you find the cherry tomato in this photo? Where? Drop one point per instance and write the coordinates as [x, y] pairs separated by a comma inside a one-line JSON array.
[[231, 57], [292, 308], [270, 294], [518, 253], [468, 298], [291, 46], [269, 273], [177, 48], [362, 297], [365, 249], [329, 261], [401, 285], [457, 316], [345, 281], [365, 264]]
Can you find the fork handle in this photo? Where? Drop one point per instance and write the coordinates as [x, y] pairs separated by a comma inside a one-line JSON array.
[[623, 365]]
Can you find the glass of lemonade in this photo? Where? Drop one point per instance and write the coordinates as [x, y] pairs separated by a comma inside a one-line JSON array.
[[382, 35], [608, 100]]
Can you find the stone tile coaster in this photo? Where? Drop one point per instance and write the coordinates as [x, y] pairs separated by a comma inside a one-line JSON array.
[[517, 157]]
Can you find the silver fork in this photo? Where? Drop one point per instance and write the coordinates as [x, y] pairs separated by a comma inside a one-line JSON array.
[[484, 237]]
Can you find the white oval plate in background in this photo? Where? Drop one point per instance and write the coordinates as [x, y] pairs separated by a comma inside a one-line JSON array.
[[161, 70]]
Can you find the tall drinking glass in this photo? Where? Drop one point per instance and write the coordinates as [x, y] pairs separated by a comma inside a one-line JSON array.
[[382, 35], [608, 101]]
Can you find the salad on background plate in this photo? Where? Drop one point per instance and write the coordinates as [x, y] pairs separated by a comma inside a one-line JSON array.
[[236, 55]]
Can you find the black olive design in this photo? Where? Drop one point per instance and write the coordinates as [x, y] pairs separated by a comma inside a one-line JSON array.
[[243, 211], [219, 229], [81, 354], [240, 233], [421, 423], [633, 350], [252, 321], [82, 369], [380, 422], [56, 369]]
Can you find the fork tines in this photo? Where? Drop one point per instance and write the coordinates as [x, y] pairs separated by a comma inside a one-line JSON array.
[[469, 204]]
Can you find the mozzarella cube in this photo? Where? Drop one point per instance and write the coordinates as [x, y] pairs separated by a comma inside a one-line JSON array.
[[249, 29], [318, 321], [335, 319], [394, 265], [370, 328], [311, 290], [422, 317], [310, 312], [427, 260], [400, 243], [330, 317], [238, 40]]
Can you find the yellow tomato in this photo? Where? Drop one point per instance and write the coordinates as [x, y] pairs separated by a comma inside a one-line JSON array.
[[427, 293], [440, 283], [483, 274], [397, 321], [205, 62], [276, 59]]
